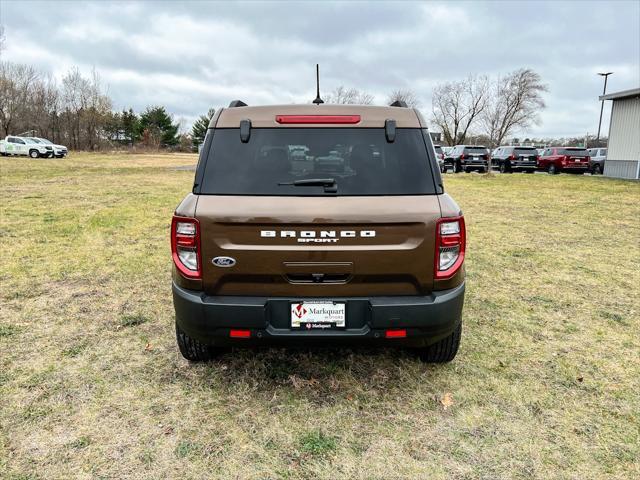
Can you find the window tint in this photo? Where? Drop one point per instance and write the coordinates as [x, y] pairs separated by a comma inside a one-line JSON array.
[[525, 151], [360, 160], [480, 150], [574, 152]]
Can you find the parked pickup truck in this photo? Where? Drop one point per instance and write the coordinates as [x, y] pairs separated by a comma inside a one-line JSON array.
[[272, 248], [12, 145], [564, 159]]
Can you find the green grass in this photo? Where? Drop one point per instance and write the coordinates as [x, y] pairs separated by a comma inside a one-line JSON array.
[[92, 385]]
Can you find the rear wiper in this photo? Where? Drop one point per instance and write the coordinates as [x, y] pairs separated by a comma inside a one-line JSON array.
[[329, 184]]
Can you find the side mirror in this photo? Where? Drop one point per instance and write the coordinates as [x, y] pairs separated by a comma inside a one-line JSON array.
[[390, 130], [245, 130]]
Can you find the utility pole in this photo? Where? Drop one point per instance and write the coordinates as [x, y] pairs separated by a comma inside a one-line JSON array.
[[604, 92]]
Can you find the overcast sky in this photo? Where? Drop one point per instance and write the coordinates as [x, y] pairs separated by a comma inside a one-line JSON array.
[[193, 56]]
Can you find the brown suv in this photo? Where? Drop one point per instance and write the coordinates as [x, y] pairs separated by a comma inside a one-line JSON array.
[[318, 224]]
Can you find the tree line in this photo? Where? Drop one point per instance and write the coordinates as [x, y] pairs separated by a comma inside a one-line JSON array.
[[78, 112], [474, 106]]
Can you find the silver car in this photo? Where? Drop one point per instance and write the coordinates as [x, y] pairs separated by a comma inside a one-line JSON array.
[[597, 157]]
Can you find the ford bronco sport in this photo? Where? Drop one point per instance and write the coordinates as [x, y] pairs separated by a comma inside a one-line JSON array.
[[321, 224]]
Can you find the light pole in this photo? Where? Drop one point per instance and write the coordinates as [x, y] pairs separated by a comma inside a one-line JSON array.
[[604, 92]]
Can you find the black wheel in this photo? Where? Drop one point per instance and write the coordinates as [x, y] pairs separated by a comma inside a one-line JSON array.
[[444, 350], [34, 153], [193, 350], [552, 169], [505, 167], [596, 170], [467, 170], [457, 168]]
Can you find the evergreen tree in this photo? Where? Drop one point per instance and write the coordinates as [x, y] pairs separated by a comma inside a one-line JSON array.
[[200, 126], [157, 128], [130, 128]]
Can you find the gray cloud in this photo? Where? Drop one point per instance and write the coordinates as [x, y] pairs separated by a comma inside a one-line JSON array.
[[191, 56]]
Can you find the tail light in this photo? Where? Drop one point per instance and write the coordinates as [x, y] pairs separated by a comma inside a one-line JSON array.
[[462, 157], [512, 156], [185, 246], [450, 246]]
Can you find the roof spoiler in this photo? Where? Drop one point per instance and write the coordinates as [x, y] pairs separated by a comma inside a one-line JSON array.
[[237, 103], [399, 103]]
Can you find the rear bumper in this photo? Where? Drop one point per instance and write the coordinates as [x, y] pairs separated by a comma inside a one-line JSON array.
[[426, 319]]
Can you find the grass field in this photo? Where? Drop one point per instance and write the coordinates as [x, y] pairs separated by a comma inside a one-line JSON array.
[[546, 384]]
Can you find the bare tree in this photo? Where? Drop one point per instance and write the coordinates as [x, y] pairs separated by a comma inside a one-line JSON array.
[[405, 95], [343, 95], [3, 38], [16, 85], [457, 106], [515, 103]]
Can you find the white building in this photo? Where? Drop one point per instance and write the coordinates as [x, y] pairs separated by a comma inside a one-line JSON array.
[[623, 149]]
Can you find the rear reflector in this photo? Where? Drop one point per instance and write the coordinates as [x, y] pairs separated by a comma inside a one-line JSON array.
[[240, 333], [395, 333], [289, 119]]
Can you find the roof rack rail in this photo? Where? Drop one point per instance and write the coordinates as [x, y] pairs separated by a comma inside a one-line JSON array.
[[399, 103], [237, 103]]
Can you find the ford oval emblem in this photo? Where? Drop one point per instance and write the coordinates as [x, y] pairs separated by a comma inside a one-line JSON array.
[[224, 261]]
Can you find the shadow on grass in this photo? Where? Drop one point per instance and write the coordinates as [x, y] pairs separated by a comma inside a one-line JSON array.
[[319, 375]]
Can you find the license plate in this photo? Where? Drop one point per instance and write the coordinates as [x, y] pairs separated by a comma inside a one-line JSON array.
[[318, 315]]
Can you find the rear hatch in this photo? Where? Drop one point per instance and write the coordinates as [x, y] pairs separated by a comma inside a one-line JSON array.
[[318, 212], [476, 155], [575, 157], [526, 156]]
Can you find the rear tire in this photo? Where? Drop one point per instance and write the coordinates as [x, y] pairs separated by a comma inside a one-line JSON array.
[[444, 350], [457, 168], [34, 153], [552, 169], [193, 350], [597, 170]]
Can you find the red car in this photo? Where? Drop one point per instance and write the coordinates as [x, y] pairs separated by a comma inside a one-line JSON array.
[[564, 159]]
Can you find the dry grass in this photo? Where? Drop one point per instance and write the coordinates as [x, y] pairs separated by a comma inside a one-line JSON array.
[[92, 385]]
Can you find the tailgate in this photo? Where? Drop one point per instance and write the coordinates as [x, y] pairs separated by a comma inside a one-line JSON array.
[[318, 246]]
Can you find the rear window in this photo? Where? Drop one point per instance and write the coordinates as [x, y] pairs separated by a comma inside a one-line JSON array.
[[480, 150], [525, 151], [360, 160], [574, 152]]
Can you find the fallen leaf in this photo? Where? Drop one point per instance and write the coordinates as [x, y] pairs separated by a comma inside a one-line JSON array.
[[446, 400], [580, 379], [148, 347]]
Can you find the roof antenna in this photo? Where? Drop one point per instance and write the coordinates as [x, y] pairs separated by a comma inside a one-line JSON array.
[[318, 100]]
